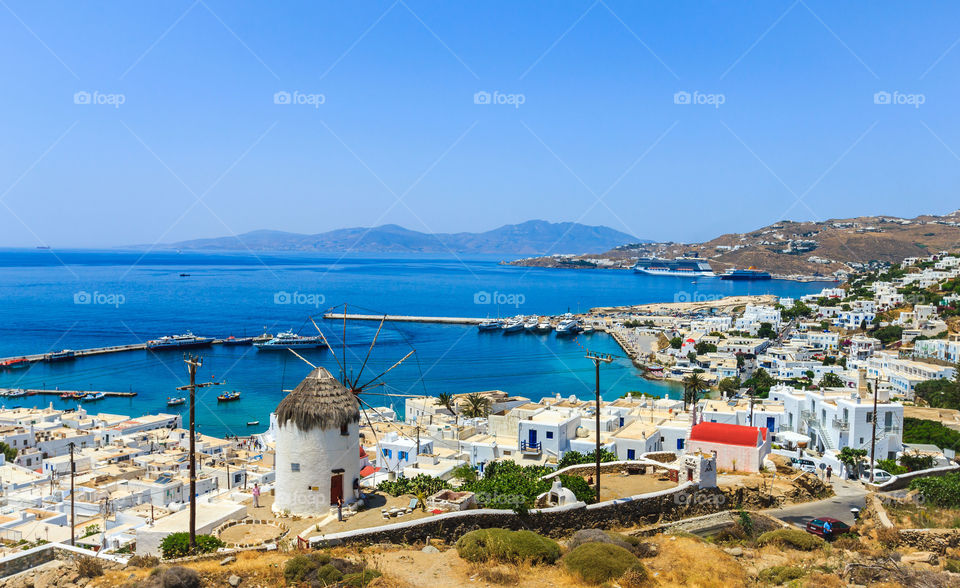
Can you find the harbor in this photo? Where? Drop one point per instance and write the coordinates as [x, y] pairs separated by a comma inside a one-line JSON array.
[[76, 394]]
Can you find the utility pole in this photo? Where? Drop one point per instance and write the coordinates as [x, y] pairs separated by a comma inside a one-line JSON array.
[[72, 470], [873, 436], [193, 362], [597, 359]]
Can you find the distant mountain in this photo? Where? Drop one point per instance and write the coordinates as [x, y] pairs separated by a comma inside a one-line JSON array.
[[535, 237]]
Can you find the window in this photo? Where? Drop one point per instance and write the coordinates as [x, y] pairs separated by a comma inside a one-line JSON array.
[[631, 454], [679, 443], [388, 453], [869, 416], [403, 455], [549, 434], [294, 467], [343, 429]]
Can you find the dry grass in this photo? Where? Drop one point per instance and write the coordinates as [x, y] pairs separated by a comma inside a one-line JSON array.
[[687, 562]]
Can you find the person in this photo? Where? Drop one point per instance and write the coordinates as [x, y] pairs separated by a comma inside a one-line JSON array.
[[829, 472], [256, 495], [340, 509], [827, 529]]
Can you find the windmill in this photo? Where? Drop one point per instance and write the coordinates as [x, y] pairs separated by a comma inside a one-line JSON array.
[[356, 384]]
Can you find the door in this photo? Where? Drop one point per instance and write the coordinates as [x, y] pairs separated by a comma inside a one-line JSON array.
[[770, 423], [532, 441], [336, 488]]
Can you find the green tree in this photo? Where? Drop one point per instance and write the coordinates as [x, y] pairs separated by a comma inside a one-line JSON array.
[[676, 342], [852, 459], [476, 405], [9, 453], [831, 380], [729, 385], [445, 399], [693, 385], [766, 331], [761, 382], [939, 393]]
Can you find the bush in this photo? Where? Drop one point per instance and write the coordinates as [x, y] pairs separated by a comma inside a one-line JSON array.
[[888, 537], [421, 484], [175, 577], [178, 544], [299, 567], [781, 574], [596, 563], [144, 561], [361, 579], [597, 536], [793, 537], [576, 458], [952, 565], [507, 546], [89, 567], [328, 575], [635, 577], [580, 488], [942, 491]]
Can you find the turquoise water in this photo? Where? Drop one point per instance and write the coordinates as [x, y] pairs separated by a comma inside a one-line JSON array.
[[80, 299]]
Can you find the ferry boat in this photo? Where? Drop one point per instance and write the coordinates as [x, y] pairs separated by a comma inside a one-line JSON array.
[[62, 355], [489, 325], [567, 327], [188, 339], [228, 396], [681, 266], [15, 364], [751, 273], [176, 401], [290, 340], [96, 396], [513, 325]]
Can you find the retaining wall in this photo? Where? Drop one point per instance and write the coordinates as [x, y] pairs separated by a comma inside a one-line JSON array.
[[903, 480], [37, 556]]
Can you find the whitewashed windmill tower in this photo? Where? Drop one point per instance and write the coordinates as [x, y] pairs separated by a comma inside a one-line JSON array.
[[318, 446]]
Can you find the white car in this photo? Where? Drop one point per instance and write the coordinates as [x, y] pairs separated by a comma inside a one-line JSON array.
[[805, 465], [879, 476]]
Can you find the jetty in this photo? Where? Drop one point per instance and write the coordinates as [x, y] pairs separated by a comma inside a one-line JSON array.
[[399, 318], [15, 392]]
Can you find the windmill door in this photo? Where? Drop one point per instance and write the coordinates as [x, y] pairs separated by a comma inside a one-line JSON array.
[[336, 488]]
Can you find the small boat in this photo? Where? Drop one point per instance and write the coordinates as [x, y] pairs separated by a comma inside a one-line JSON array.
[[544, 327], [290, 340], [176, 401], [530, 325], [15, 364], [489, 325], [184, 275], [587, 329], [19, 392], [228, 396], [567, 327], [62, 355], [253, 423], [514, 325], [73, 395], [96, 396]]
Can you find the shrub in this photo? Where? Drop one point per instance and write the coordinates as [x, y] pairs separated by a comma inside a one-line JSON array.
[[943, 491], [421, 484], [580, 488], [952, 565], [576, 458], [595, 563], [507, 546], [781, 574], [361, 579], [89, 567], [328, 575], [635, 577], [175, 577], [178, 544], [500, 575], [849, 542], [888, 537], [596, 536], [144, 561], [793, 537], [299, 567]]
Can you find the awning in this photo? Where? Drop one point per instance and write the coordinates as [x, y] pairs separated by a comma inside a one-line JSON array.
[[791, 437], [368, 470]]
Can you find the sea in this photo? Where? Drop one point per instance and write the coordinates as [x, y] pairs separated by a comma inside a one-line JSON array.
[[77, 299]]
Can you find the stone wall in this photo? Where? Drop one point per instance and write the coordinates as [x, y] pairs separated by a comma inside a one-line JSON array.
[[936, 540], [903, 480], [37, 556], [683, 501]]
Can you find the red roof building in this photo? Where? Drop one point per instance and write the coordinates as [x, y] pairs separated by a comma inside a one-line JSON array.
[[729, 434], [737, 447]]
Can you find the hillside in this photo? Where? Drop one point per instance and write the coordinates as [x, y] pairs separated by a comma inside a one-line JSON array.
[[789, 248], [535, 237]]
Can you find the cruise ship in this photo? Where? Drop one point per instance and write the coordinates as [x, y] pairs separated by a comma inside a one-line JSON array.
[[681, 266], [290, 340], [188, 339], [751, 273]]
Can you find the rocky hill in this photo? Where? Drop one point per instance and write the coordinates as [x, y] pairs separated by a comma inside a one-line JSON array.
[[790, 248]]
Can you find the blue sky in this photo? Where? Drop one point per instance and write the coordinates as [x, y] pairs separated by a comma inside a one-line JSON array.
[[198, 147]]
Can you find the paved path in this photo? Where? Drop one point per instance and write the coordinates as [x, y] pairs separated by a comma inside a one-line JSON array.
[[848, 495]]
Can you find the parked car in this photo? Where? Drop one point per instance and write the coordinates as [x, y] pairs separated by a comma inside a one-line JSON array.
[[804, 464], [879, 476], [837, 528]]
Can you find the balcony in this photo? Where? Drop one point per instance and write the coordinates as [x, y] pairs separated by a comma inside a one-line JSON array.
[[841, 424], [530, 448]]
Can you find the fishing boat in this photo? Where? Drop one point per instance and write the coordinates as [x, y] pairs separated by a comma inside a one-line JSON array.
[[73, 395], [15, 364], [62, 355], [96, 396], [176, 401], [229, 396], [513, 325], [186, 340], [290, 340], [253, 423], [489, 325]]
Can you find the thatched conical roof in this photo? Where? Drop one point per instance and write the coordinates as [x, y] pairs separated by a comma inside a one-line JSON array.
[[319, 401]]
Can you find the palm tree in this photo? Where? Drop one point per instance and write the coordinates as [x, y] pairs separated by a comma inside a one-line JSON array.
[[476, 405], [693, 385], [445, 399]]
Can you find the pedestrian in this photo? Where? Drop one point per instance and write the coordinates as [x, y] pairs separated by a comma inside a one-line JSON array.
[[829, 472], [827, 529], [340, 509], [256, 495]]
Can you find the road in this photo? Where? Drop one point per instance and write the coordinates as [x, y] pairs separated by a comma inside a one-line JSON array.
[[848, 495]]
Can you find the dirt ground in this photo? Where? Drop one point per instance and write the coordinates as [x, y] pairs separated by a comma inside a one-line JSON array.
[[622, 486], [249, 534], [370, 516]]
